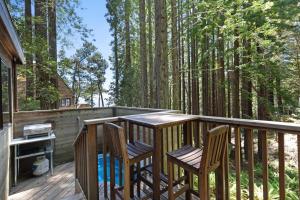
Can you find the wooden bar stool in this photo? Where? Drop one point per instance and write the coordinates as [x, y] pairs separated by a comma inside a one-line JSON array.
[[130, 154], [199, 161]]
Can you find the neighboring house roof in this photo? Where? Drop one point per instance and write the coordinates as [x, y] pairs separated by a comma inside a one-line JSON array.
[[8, 35], [63, 88]]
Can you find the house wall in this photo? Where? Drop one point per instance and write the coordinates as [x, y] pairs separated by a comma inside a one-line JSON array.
[[4, 162], [5, 135]]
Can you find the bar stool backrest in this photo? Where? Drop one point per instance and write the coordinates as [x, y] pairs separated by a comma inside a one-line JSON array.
[[214, 149], [115, 137]]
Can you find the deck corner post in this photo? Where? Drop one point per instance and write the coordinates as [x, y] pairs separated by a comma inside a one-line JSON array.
[[92, 162]]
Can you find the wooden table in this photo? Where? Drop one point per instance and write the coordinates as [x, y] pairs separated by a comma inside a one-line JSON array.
[[158, 121]]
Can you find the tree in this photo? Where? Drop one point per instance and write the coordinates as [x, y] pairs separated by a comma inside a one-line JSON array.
[[143, 54]]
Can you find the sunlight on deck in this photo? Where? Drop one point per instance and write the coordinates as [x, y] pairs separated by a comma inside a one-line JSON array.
[[59, 186]]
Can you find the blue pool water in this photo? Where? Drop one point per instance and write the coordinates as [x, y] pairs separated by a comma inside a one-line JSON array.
[[101, 169]]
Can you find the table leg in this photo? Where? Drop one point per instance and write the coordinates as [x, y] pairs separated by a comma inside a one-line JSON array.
[[156, 163], [131, 140]]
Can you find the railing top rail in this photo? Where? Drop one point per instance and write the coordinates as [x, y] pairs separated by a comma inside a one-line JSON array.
[[100, 120], [258, 124]]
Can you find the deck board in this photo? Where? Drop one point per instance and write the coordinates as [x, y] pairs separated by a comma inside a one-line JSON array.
[[59, 186]]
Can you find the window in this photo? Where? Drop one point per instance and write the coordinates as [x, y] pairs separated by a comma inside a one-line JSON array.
[[63, 102], [68, 102], [5, 97]]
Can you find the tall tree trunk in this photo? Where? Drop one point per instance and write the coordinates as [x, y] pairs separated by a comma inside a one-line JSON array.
[[279, 95], [52, 46], [175, 60], [30, 85], [116, 57], [188, 46], [246, 91], [128, 44], [143, 54], [213, 78], [164, 58], [236, 79], [221, 76], [150, 54], [195, 75], [205, 74], [182, 54], [262, 99], [158, 52], [228, 82], [41, 42]]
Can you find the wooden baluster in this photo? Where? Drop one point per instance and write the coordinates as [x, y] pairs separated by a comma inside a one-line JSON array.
[[226, 170], [298, 144], [237, 136], [265, 165], [92, 164], [281, 166], [178, 146], [105, 163], [250, 163]]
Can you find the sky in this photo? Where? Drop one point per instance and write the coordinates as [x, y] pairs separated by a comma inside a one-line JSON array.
[[93, 15]]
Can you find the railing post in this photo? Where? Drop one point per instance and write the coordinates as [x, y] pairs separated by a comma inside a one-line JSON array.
[[237, 136], [250, 154], [92, 164], [281, 166]]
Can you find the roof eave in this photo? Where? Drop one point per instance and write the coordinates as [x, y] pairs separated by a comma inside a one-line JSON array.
[[10, 29]]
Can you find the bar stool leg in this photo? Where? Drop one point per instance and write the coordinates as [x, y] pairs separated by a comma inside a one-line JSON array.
[[203, 186], [127, 181], [170, 171], [188, 181], [139, 179]]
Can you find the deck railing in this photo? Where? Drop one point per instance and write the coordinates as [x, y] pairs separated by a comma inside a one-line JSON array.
[[86, 151]]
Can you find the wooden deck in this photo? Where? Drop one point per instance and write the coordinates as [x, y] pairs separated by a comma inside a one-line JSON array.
[[59, 186]]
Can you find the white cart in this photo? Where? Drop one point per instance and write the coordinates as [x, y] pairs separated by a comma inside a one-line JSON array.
[[16, 143]]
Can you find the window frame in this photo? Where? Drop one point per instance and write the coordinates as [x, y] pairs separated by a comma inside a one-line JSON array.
[[68, 102], [63, 102], [9, 79]]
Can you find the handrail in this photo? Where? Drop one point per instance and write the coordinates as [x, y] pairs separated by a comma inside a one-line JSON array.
[[173, 136], [257, 124], [94, 121]]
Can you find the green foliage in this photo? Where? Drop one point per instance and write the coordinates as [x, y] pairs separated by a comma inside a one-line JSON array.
[[29, 104], [84, 71]]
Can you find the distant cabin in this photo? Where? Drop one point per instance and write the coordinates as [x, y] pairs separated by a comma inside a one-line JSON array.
[[66, 98]]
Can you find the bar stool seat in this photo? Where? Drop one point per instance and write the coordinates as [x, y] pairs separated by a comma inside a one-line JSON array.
[[138, 151], [188, 157]]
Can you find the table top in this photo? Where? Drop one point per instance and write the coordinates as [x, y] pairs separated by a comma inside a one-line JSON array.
[[159, 120], [19, 141]]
